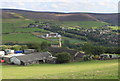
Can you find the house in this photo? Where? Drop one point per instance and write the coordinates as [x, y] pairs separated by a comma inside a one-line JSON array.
[[32, 25], [76, 55], [51, 35], [2, 53], [109, 56], [33, 58]]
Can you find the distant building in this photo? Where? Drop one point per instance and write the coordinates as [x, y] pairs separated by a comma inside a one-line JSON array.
[[2, 53], [33, 58], [51, 35], [8, 57], [9, 51], [109, 56], [32, 25]]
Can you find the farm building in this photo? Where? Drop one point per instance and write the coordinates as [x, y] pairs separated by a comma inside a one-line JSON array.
[[27, 51], [108, 56], [76, 55], [8, 57], [33, 58]]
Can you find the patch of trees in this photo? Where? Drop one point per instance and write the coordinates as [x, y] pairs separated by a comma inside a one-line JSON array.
[[14, 47], [97, 50], [73, 36], [39, 47], [92, 50], [63, 57], [75, 32]]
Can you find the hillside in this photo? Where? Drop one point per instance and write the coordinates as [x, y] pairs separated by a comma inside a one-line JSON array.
[[72, 26], [110, 18]]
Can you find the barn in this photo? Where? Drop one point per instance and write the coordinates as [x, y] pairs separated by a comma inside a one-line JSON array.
[[33, 58]]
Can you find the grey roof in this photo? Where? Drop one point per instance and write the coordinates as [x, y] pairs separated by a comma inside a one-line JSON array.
[[34, 56]]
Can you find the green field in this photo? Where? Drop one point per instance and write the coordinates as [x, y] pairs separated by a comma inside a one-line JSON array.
[[21, 38], [106, 69], [85, 24], [114, 27], [29, 30], [11, 25]]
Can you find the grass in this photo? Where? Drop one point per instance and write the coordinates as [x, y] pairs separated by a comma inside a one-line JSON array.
[[114, 27], [12, 25], [107, 69], [85, 24], [73, 41], [21, 38], [30, 30]]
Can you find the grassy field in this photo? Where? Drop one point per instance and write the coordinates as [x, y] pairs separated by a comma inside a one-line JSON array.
[[85, 24], [11, 25], [29, 30], [107, 69], [114, 27], [21, 38]]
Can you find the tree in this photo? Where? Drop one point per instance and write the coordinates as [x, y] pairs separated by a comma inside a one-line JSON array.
[[36, 46], [63, 57], [87, 48], [44, 45], [24, 47], [16, 47], [97, 50], [66, 42], [92, 49]]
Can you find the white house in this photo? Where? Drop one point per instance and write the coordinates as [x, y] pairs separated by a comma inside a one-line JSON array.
[[9, 51], [51, 35], [103, 56], [2, 53]]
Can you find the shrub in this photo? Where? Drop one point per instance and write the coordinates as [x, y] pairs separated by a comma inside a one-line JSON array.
[[16, 47], [63, 57], [86, 58]]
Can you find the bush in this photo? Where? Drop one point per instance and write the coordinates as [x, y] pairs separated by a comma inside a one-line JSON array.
[[36, 46], [16, 47], [63, 57], [24, 47], [86, 58]]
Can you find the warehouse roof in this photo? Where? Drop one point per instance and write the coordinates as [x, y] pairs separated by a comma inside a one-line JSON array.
[[34, 56]]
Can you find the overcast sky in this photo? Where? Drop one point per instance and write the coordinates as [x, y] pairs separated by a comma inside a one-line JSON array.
[[96, 6]]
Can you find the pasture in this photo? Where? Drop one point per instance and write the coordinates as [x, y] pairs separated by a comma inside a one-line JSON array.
[[11, 25], [95, 69], [22, 38], [85, 24], [114, 27]]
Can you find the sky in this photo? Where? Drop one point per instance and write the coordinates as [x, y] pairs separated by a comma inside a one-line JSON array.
[[95, 6]]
